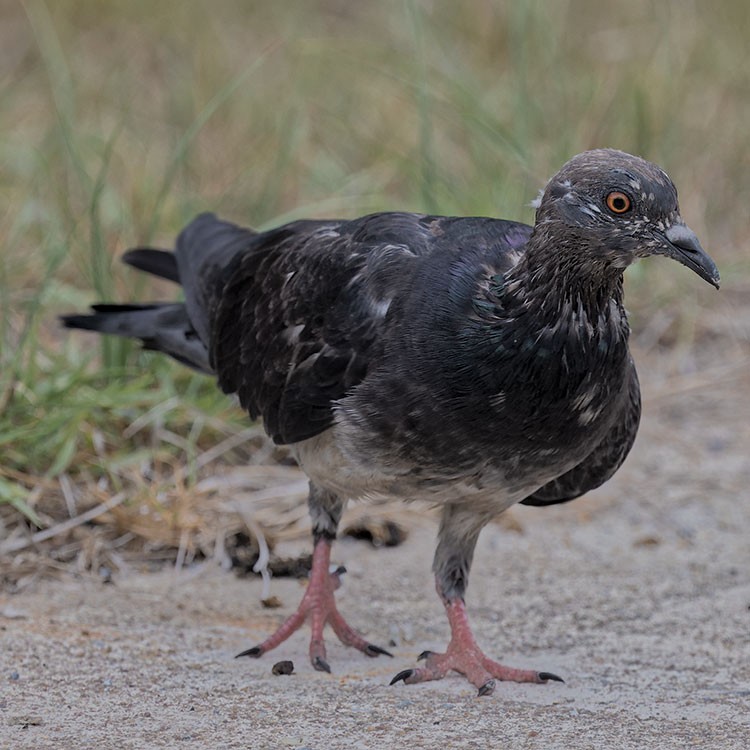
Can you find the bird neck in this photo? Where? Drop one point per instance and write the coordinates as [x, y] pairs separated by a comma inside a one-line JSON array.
[[565, 277], [570, 267], [556, 305]]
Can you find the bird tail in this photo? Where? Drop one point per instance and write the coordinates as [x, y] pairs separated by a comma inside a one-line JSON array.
[[205, 250], [163, 327], [161, 263]]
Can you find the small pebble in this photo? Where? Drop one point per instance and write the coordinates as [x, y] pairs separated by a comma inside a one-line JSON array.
[[287, 741], [105, 574], [14, 675], [11, 613], [283, 667]]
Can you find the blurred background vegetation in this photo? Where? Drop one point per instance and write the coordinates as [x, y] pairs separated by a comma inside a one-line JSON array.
[[121, 120]]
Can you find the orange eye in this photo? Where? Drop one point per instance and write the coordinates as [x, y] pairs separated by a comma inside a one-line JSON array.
[[618, 203]]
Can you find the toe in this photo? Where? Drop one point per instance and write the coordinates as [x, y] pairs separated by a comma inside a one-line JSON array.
[[404, 675], [320, 664], [487, 689], [547, 676]]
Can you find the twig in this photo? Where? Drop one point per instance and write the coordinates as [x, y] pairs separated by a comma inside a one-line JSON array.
[[181, 551], [66, 487], [264, 554], [699, 380], [249, 476], [226, 445], [14, 545]]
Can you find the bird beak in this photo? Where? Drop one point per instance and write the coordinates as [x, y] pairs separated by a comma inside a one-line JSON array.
[[680, 242]]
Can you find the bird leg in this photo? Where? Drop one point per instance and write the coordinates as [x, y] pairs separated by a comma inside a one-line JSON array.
[[457, 538], [464, 656], [319, 604]]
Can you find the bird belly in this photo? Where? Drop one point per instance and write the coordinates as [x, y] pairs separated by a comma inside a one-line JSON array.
[[492, 487]]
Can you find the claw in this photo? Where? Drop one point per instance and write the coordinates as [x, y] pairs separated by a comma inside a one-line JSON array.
[[339, 571], [424, 655], [405, 675], [254, 652], [373, 650], [545, 676], [487, 689], [321, 664]]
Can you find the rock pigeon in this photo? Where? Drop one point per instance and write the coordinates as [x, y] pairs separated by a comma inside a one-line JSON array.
[[470, 362]]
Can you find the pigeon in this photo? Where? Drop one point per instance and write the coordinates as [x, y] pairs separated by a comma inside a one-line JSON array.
[[469, 362]]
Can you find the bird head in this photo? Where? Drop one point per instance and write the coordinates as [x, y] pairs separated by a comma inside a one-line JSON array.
[[619, 208]]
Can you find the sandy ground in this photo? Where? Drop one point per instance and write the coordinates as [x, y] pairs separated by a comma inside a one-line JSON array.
[[638, 595]]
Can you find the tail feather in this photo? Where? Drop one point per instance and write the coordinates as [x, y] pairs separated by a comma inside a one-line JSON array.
[[109, 307], [205, 250], [163, 327], [161, 263]]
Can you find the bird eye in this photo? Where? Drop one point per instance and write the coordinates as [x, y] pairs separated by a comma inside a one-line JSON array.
[[618, 203]]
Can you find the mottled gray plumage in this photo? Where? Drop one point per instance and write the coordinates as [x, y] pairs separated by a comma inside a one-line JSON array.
[[471, 362]]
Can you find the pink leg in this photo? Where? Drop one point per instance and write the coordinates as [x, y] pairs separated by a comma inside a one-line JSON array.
[[319, 605], [463, 655]]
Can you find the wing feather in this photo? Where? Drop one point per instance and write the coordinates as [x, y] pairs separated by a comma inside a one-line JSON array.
[[299, 319], [298, 314], [603, 461]]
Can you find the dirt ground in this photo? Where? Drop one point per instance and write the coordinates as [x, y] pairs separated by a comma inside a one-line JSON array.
[[638, 595]]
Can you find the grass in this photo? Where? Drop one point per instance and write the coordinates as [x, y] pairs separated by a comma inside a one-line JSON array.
[[123, 119]]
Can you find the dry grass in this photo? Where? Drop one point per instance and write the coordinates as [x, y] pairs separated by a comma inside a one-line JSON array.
[[123, 119]]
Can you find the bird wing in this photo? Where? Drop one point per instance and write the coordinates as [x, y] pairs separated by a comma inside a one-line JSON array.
[[603, 461], [300, 315]]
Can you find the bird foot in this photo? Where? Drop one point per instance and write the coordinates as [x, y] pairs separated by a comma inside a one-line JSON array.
[[319, 606], [479, 670], [464, 656]]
